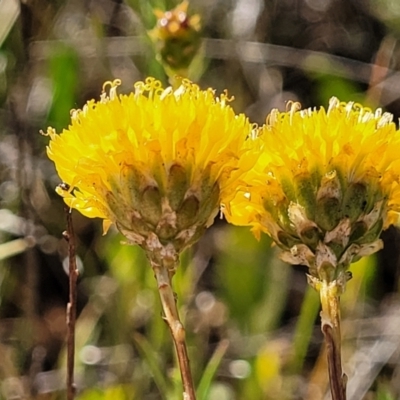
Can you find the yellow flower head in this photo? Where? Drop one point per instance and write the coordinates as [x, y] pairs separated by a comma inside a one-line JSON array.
[[325, 185], [155, 162]]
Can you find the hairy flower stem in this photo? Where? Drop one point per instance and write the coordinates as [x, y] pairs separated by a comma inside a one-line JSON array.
[[330, 326], [163, 273]]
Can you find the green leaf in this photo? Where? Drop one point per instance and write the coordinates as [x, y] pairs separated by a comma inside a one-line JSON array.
[[63, 67], [304, 327], [212, 367], [149, 355]]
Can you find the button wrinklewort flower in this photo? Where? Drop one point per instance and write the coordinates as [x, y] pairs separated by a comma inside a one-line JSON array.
[[154, 162], [324, 187], [177, 37]]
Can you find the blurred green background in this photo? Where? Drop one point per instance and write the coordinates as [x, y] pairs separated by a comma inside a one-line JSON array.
[[252, 323]]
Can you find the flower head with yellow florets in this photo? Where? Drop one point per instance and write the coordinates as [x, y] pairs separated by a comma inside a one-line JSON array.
[[325, 185], [154, 162]]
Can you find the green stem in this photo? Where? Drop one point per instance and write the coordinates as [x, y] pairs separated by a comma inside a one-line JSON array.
[[163, 273], [330, 326]]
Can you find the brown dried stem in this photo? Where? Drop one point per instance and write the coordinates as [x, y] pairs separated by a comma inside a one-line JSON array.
[[71, 306], [330, 326], [163, 274], [380, 69]]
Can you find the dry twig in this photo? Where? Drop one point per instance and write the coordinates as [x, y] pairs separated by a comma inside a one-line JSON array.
[[71, 306]]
